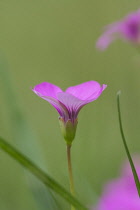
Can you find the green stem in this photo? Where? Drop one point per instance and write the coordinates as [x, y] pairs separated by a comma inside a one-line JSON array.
[[70, 172], [126, 147]]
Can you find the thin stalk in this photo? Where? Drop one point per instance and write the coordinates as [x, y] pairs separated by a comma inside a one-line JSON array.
[[70, 172], [126, 147]]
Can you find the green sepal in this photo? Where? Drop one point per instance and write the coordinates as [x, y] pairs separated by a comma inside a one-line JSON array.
[[68, 129]]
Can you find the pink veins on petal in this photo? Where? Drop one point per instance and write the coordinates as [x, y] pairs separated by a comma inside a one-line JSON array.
[[68, 103]]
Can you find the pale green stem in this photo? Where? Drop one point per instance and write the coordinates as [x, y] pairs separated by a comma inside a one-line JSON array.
[[70, 173]]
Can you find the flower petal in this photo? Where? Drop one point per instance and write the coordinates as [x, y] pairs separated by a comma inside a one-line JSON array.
[[47, 89], [69, 103], [131, 27], [54, 102], [112, 32], [48, 92], [72, 104], [86, 91]]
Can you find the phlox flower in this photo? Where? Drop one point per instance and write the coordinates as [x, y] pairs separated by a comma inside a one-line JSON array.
[[68, 103], [127, 29]]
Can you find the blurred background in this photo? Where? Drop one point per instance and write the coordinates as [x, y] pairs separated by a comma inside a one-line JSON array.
[[54, 41]]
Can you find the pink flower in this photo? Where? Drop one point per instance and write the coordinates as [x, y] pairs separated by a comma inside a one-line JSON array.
[[68, 103], [118, 196], [121, 193], [127, 29]]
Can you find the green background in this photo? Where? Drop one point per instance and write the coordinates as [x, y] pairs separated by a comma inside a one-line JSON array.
[[54, 41]]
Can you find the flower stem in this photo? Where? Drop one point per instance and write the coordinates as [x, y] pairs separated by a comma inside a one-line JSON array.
[[70, 172]]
